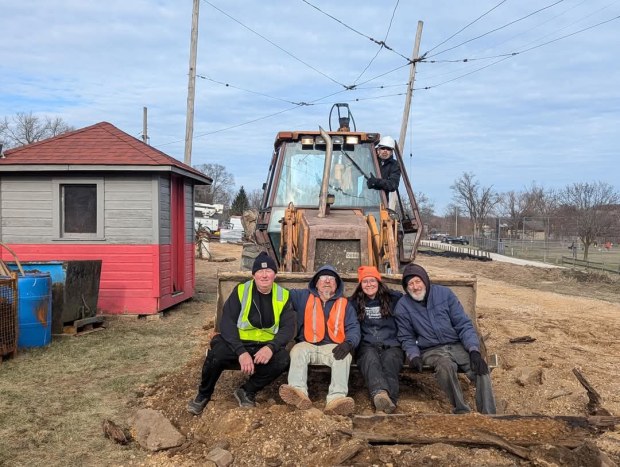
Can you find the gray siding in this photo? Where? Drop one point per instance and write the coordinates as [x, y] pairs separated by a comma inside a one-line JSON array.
[[164, 211], [27, 211], [189, 212]]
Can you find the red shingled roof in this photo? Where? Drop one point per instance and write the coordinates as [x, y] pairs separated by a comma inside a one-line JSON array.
[[100, 144]]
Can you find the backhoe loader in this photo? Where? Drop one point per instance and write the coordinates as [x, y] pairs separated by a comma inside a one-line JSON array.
[[317, 209]]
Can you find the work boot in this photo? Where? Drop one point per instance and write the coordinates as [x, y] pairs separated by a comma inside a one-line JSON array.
[[295, 397], [383, 403], [197, 405], [245, 399], [340, 406]]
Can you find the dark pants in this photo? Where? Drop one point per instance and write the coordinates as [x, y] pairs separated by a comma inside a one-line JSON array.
[[380, 368], [447, 360], [221, 357]]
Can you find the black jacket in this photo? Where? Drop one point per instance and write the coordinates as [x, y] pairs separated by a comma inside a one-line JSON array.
[[261, 316], [390, 177]]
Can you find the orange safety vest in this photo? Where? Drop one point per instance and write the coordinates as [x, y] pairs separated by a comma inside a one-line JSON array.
[[314, 320]]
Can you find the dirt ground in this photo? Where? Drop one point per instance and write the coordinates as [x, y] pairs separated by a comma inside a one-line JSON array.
[[573, 317]]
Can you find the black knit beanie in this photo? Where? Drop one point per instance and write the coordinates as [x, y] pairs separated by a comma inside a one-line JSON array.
[[413, 269], [264, 261]]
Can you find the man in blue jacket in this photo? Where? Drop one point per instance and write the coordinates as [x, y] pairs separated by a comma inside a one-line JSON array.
[[434, 330], [328, 331]]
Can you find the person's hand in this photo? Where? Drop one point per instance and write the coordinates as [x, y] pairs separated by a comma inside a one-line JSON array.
[[246, 363], [342, 350], [371, 182], [477, 363], [415, 363], [263, 355]]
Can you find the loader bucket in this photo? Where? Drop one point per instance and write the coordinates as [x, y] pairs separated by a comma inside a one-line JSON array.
[[463, 286]]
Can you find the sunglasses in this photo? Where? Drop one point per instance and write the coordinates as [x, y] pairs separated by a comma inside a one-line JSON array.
[[385, 149]]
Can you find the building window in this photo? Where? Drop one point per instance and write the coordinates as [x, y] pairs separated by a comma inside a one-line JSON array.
[[78, 209], [79, 213]]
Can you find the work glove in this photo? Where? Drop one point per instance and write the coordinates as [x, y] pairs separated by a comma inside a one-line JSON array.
[[478, 365], [342, 350], [372, 182], [415, 363]]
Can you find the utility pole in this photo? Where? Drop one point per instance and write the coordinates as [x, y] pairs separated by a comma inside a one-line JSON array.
[[191, 87], [414, 58], [145, 137]]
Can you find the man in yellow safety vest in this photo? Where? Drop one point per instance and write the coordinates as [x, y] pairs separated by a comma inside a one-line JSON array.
[[256, 324]]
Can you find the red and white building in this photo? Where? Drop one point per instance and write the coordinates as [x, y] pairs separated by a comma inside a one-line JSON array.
[[99, 193]]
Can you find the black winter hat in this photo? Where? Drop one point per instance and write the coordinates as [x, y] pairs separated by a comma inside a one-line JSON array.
[[412, 270], [264, 261]]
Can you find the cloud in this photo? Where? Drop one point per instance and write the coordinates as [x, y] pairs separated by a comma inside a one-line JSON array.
[[549, 114]]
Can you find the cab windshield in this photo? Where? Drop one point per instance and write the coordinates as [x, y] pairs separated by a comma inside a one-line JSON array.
[[302, 173]]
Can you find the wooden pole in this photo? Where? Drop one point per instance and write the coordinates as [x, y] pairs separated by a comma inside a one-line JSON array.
[[145, 137], [414, 57], [191, 87]]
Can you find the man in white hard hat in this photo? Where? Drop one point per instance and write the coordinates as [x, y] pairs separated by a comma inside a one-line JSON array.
[[390, 170]]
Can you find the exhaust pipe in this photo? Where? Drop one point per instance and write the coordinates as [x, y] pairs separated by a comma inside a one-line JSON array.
[[326, 173]]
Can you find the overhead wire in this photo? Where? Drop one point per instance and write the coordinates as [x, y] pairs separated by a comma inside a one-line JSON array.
[[382, 46], [467, 25], [519, 52], [275, 45], [494, 30], [228, 85], [381, 43]]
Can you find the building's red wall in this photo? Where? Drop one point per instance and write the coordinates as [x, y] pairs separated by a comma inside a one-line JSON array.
[[133, 278]]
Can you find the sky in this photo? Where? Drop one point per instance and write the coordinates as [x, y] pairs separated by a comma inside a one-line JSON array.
[[501, 92]]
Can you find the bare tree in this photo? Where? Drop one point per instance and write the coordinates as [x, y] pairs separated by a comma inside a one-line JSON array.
[[592, 208], [533, 201], [477, 202], [25, 128], [425, 206], [221, 190], [255, 198]]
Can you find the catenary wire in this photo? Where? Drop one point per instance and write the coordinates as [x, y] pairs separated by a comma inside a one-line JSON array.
[[381, 43], [512, 54], [387, 33], [496, 29], [275, 45], [468, 25]]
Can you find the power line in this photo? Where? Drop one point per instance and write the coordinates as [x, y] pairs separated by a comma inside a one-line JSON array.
[[468, 25], [512, 54], [248, 90], [497, 29], [381, 43], [380, 47], [275, 45]]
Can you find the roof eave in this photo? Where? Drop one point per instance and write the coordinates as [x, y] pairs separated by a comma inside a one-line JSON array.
[[202, 180]]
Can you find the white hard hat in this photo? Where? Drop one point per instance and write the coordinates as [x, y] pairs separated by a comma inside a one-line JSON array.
[[386, 142]]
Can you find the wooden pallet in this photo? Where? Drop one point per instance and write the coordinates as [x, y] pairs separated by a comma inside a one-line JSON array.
[[83, 326]]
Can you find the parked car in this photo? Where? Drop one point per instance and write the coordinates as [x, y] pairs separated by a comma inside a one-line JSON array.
[[459, 240]]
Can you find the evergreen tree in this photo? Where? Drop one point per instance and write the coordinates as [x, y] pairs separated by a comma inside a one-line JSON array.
[[240, 203]]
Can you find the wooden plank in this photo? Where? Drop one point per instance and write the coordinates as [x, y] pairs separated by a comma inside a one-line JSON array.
[[477, 430]]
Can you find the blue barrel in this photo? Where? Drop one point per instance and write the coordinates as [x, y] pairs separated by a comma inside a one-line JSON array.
[[34, 309]]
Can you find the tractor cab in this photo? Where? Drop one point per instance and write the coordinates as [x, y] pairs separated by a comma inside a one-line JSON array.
[[322, 175]]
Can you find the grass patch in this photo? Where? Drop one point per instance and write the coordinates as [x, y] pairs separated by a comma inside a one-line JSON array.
[[53, 400]]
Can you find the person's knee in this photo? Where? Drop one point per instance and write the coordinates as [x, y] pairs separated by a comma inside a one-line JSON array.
[[298, 354], [445, 367], [282, 360]]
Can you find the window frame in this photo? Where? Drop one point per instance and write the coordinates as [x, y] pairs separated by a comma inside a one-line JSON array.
[[58, 208]]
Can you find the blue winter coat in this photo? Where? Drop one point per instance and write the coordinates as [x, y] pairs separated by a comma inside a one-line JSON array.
[[442, 321]]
